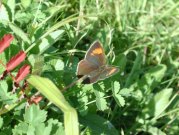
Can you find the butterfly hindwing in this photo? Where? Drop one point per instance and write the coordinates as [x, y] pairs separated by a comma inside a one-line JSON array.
[[108, 71], [91, 79], [100, 74]]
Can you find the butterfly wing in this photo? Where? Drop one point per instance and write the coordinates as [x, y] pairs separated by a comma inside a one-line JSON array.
[[96, 54], [91, 79], [108, 71], [92, 64], [85, 67], [97, 75]]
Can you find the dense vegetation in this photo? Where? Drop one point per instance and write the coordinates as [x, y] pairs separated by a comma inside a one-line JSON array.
[[140, 37]]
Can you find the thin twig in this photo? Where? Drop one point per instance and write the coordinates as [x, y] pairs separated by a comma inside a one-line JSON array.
[[73, 83]]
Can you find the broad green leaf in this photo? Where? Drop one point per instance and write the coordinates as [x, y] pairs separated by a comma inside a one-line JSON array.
[[157, 73], [11, 5], [21, 128], [158, 103], [37, 62], [154, 131], [116, 87], [83, 100], [48, 89], [100, 100], [18, 31], [58, 64], [41, 130], [118, 98], [5, 96], [50, 39], [53, 124], [34, 116], [98, 125], [26, 3], [3, 13], [23, 17], [153, 77], [101, 103], [161, 100], [3, 60], [126, 92]]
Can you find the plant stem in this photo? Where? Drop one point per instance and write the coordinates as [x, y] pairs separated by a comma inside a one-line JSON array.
[[73, 83]]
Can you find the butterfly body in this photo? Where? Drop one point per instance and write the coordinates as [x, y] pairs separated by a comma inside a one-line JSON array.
[[94, 66]]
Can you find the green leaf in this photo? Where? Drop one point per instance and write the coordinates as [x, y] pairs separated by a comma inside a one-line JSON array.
[[37, 62], [154, 131], [4, 60], [158, 103], [126, 92], [118, 98], [21, 128], [5, 96], [100, 100], [40, 128], [23, 17], [83, 100], [11, 5], [3, 13], [49, 90], [116, 87], [18, 31], [56, 127], [157, 72], [101, 103], [58, 64], [49, 40], [34, 116], [153, 77], [1, 122], [26, 3], [161, 100], [98, 125]]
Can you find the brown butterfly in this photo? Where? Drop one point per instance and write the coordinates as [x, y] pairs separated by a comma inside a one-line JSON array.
[[94, 65]]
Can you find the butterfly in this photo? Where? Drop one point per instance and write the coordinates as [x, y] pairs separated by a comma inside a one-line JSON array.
[[94, 65]]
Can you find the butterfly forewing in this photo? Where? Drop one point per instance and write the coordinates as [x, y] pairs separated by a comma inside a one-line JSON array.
[[85, 67], [96, 55]]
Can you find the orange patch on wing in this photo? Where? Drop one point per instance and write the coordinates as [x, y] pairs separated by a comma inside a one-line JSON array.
[[112, 71], [97, 51]]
